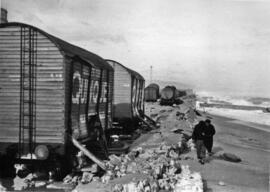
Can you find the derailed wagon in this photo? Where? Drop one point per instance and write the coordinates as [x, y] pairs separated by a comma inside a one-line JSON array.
[[50, 90], [128, 91]]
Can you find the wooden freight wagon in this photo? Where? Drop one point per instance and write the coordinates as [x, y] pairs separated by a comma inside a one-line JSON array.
[[151, 92], [49, 89], [128, 91]]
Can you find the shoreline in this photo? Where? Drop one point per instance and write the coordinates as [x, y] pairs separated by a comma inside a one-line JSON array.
[[251, 124], [247, 132], [249, 141]]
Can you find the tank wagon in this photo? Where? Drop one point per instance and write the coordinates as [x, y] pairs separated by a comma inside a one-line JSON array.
[[151, 92], [50, 90], [168, 95], [128, 91]]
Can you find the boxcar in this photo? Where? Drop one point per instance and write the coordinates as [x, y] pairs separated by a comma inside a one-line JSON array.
[[49, 90], [128, 93], [151, 92]]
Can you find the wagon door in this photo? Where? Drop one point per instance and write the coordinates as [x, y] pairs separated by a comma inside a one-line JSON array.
[[103, 99], [79, 108], [138, 97], [133, 97], [142, 96]]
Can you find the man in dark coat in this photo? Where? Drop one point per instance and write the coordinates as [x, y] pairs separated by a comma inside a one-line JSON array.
[[198, 137], [208, 137]]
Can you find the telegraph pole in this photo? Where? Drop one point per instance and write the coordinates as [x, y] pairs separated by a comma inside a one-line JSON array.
[[151, 70]]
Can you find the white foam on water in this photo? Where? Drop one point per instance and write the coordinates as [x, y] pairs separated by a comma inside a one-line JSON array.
[[234, 100], [256, 116]]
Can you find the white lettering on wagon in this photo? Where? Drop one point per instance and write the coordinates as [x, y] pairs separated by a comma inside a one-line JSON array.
[[79, 89]]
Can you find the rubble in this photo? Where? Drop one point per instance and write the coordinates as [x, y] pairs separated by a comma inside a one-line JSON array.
[[40, 184], [161, 166], [60, 185], [2, 188], [176, 182], [152, 165], [221, 183], [19, 183], [231, 157]]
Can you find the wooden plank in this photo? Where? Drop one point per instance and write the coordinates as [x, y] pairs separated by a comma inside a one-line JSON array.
[[100, 163]]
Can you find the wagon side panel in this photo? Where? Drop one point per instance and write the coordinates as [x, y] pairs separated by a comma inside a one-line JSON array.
[[77, 93], [49, 91], [122, 93], [9, 84]]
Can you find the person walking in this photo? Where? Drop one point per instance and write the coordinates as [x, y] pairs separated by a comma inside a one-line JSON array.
[[208, 136], [198, 138]]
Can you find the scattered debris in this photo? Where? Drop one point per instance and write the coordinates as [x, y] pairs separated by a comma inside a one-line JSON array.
[[40, 184], [60, 185], [231, 157], [221, 183], [19, 183], [161, 166], [168, 181], [2, 188]]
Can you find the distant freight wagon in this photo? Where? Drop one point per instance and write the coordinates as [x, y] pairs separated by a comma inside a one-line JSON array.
[[49, 90], [151, 92]]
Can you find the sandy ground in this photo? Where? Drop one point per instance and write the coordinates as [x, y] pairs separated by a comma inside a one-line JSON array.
[[251, 144], [249, 141]]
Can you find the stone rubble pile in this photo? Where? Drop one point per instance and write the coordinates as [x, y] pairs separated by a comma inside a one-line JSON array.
[[171, 181], [2, 188], [160, 169]]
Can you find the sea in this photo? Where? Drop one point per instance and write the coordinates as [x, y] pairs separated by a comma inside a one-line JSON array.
[[254, 116]]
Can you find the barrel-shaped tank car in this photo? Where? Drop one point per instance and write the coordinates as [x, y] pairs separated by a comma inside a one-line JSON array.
[[49, 90], [168, 95], [128, 93]]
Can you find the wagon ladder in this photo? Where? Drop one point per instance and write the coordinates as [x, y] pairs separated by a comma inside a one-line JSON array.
[[28, 81]]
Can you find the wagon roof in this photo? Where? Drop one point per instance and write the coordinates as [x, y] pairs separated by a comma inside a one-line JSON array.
[[153, 85], [67, 48], [130, 71]]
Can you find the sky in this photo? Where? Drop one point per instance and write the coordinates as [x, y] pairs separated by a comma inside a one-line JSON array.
[[220, 46]]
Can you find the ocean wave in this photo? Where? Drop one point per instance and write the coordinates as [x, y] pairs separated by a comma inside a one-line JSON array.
[[210, 97], [254, 116]]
